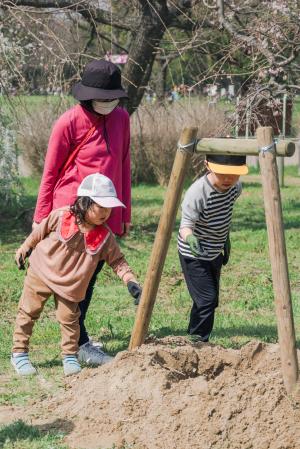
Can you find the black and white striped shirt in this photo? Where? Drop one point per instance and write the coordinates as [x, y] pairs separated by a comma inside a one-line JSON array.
[[208, 212]]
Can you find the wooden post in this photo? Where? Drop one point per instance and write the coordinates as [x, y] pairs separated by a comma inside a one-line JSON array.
[[244, 147], [163, 236], [278, 257]]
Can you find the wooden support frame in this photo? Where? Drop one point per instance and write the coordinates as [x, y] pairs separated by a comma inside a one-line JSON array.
[[187, 143], [278, 258], [244, 147], [265, 148]]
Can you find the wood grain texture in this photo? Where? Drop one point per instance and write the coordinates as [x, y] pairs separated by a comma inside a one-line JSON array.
[[162, 240], [278, 257], [246, 147]]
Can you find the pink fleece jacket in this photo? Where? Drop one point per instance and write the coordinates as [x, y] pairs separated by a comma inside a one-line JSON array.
[[112, 160]]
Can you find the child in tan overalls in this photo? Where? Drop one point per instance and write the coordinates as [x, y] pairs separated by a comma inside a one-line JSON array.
[[66, 248]]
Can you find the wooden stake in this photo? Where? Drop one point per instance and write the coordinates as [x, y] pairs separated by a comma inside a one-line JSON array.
[[245, 147], [278, 257], [162, 238]]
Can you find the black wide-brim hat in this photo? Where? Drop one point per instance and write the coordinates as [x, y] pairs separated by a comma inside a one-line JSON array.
[[101, 80]]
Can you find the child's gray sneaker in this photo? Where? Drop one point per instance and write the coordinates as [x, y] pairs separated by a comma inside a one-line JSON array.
[[71, 365], [93, 355], [21, 363], [97, 344]]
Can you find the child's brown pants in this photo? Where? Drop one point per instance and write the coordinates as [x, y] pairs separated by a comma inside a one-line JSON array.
[[34, 296]]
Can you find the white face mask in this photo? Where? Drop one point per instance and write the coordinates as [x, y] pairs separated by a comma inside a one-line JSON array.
[[103, 107]]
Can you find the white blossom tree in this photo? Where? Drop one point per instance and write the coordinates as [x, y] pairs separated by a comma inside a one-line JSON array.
[[255, 40]]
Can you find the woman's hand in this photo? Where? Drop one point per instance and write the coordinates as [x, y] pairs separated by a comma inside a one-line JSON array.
[[126, 229]]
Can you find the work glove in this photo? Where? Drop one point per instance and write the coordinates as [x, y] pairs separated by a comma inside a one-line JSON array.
[[195, 246], [21, 256], [136, 291], [227, 249]]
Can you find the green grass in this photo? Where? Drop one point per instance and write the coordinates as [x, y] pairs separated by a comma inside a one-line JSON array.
[[246, 308], [32, 102], [19, 435], [14, 108], [296, 112]]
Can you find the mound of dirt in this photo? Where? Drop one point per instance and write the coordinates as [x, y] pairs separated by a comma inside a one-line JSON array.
[[171, 394]]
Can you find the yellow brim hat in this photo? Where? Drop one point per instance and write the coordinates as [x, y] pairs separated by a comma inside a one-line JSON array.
[[228, 169]]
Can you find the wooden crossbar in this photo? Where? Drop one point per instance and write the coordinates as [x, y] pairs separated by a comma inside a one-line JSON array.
[[247, 147]]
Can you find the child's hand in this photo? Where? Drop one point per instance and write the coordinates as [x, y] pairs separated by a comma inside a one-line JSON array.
[[20, 257], [195, 245], [135, 290], [227, 249]]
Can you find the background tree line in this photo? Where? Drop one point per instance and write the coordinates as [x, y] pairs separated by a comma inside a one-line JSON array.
[[45, 43]]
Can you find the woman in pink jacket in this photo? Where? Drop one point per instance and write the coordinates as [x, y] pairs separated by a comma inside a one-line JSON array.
[[93, 136]]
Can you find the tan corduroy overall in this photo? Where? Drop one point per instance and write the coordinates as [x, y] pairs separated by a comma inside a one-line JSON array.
[[34, 296]]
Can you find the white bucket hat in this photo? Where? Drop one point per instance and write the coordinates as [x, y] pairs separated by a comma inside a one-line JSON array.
[[100, 189]]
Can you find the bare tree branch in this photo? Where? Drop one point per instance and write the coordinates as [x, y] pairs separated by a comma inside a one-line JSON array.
[[83, 7]]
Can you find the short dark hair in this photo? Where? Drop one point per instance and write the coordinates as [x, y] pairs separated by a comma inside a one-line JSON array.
[[80, 207]]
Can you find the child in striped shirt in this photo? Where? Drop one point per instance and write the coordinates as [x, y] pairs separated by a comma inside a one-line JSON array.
[[203, 239]]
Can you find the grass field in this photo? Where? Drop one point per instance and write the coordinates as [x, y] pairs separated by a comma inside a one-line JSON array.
[[246, 308]]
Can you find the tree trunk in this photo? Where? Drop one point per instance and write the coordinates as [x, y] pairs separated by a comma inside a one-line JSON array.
[[146, 28], [160, 85], [142, 54]]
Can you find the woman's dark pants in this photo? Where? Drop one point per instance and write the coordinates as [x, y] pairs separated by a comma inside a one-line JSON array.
[[84, 305], [203, 279]]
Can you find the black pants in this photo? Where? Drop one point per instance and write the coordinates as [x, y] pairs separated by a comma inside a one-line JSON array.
[[203, 279], [84, 305]]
